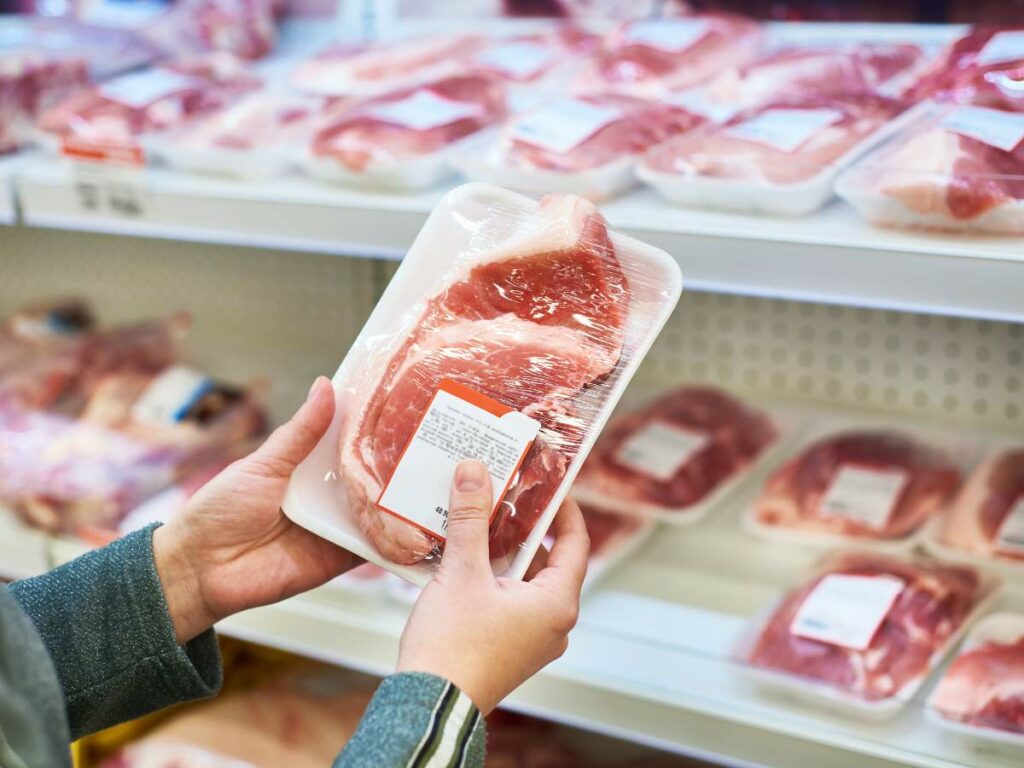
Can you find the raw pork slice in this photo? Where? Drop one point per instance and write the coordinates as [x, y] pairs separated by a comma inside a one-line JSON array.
[[413, 122], [855, 70], [653, 58], [934, 603], [922, 480], [262, 120], [984, 686], [633, 127], [735, 151], [992, 495], [533, 324], [956, 74], [29, 82], [720, 437]]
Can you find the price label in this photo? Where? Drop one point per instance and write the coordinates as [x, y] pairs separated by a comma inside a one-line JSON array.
[[564, 125], [671, 35], [866, 495], [1002, 47], [697, 102], [660, 449], [170, 396], [846, 610], [1010, 537], [140, 89], [459, 424], [1002, 130], [424, 110], [517, 59], [785, 129]]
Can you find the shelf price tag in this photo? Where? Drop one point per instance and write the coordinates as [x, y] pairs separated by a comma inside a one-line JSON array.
[[109, 180], [846, 610]]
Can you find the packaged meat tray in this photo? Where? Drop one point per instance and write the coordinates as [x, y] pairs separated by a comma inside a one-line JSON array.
[[863, 634], [960, 71], [404, 140], [676, 456], [585, 146], [505, 309], [860, 483], [653, 58], [981, 693], [534, 59], [961, 169], [253, 139], [985, 522], [347, 69], [781, 158], [30, 81]]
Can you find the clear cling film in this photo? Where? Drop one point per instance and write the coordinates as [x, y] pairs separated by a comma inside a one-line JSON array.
[[537, 307]]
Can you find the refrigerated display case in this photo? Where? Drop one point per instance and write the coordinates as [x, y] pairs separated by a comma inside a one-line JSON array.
[[826, 319]]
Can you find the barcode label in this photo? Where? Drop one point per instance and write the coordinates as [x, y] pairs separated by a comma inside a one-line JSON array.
[[785, 129], [846, 610], [866, 495], [660, 449], [1002, 130], [564, 125]]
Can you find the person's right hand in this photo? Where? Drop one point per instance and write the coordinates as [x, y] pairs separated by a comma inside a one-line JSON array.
[[489, 634]]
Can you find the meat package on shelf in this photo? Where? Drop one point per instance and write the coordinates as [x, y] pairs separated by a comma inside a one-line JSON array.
[[985, 521], [512, 324], [533, 59], [982, 58], [877, 485], [673, 458], [29, 82], [981, 693], [93, 422], [865, 632], [403, 140]]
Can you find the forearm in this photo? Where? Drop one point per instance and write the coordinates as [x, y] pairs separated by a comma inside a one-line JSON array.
[[105, 623], [417, 720]]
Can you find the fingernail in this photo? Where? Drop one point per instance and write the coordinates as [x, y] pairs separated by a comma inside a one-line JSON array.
[[312, 389], [470, 476]]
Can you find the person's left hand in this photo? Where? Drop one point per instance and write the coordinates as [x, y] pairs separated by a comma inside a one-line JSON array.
[[233, 548]]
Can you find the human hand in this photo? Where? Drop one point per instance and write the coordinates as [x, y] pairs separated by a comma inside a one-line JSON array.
[[233, 548], [489, 634]]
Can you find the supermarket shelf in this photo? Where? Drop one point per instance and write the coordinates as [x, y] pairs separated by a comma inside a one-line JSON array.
[[805, 259], [23, 551], [8, 208]]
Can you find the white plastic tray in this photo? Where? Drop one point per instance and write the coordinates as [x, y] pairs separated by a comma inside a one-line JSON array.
[[316, 499], [1002, 628]]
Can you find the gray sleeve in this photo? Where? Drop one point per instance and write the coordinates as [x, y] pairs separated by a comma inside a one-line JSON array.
[[104, 621], [415, 720]]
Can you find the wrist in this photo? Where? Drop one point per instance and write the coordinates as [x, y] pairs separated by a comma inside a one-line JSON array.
[[182, 584]]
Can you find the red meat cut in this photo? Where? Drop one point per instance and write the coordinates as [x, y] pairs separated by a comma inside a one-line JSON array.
[[792, 497], [958, 72], [984, 686], [989, 496], [935, 601], [534, 323], [734, 435]]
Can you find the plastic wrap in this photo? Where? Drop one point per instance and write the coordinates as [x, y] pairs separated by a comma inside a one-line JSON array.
[[981, 693], [654, 57], [585, 146], [781, 158], [864, 633], [534, 314], [403, 140], [253, 139], [986, 519], [120, 111], [668, 458], [960, 71], [960, 169], [880, 484], [355, 70]]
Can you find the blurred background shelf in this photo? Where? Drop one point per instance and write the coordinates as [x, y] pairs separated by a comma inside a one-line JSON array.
[[23, 551]]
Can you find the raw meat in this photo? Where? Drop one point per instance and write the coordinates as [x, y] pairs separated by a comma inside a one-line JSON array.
[[366, 135], [29, 82], [988, 497], [984, 686], [856, 70], [637, 126], [956, 74], [245, 28], [533, 324], [529, 58], [935, 602], [726, 152], [633, 61], [346, 69], [118, 111], [608, 532], [792, 497], [733, 436], [262, 120], [934, 171]]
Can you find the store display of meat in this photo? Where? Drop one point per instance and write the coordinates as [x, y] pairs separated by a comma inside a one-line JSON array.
[[984, 685], [962, 169], [535, 324], [29, 82], [784, 142], [529, 58], [264, 119], [923, 603], [653, 58], [860, 484], [675, 451], [851, 70], [349, 69], [590, 132], [987, 516], [961, 69], [413, 122]]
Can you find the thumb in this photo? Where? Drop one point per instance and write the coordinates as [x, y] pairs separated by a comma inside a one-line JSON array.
[[469, 512], [290, 443]]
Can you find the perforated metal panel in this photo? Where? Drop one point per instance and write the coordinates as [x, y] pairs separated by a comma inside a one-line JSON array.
[[291, 316]]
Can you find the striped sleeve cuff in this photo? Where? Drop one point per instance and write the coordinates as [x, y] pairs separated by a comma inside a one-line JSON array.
[[416, 720]]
